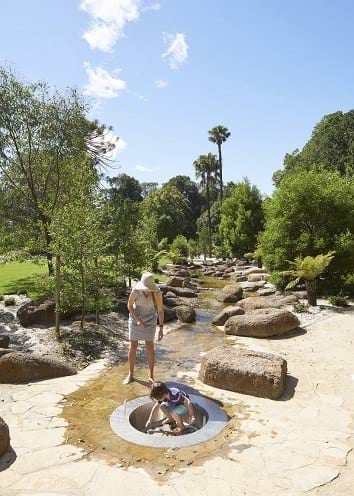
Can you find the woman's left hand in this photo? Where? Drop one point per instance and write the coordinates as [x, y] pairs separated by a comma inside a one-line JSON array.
[[160, 334]]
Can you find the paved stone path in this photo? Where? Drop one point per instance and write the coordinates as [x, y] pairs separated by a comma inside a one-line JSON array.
[[288, 447]]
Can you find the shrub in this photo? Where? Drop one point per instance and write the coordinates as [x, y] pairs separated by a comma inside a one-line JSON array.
[[338, 300], [180, 245], [279, 280], [300, 307], [9, 301]]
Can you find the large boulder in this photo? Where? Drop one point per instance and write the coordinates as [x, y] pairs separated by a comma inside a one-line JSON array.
[[184, 292], [244, 371], [4, 437], [169, 314], [173, 302], [185, 314], [225, 314], [237, 277], [190, 285], [175, 282], [24, 367], [4, 341], [230, 294], [6, 317], [258, 277], [273, 301], [262, 323], [253, 270], [252, 286], [180, 273], [266, 291], [40, 312]]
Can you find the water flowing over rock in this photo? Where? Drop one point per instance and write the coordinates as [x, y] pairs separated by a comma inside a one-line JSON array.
[[244, 371], [6, 317], [262, 323], [225, 314], [230, 294], [23, 367]]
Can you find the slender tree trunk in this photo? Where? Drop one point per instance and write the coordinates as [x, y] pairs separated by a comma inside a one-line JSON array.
[[209, 217], [311, 292], [83, 289], [220, 173], [97, 292], [48, 241], [57, 296]]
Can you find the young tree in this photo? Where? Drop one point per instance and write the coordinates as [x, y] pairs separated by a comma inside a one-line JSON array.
[[242, 219], [77, 236], [42, 136], [218, 135], [206, 168], [309, 269]]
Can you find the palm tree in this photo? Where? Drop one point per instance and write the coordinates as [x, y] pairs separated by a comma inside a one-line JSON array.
[[206, 168], [309, 268], [218, 135]]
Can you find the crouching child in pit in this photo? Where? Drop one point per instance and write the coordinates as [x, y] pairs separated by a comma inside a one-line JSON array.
[[174, 403]]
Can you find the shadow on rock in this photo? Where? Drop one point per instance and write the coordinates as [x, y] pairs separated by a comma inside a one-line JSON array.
[[289, 389], [7, 459], [299, 331]]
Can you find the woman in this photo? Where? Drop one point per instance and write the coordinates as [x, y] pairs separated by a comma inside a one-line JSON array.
[[143, 302]]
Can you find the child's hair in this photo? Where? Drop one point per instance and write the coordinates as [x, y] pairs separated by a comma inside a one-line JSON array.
[[158, 389]]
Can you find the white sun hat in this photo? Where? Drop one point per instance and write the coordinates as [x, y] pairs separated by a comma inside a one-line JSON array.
[[147, 283]]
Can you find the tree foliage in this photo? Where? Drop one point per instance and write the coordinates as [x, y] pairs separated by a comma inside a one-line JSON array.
[[330, 147], [170, 208], [218, 135], [310, 214], [190, 190], [242, 218], [43, 137]]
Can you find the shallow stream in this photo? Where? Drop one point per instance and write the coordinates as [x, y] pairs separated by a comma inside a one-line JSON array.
[[88, 410]]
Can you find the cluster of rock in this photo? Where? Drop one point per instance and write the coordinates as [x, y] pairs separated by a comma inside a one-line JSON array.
[[262, 316], [18, 366], [178, 287]]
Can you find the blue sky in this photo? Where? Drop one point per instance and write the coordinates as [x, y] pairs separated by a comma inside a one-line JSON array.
[[268, 70]]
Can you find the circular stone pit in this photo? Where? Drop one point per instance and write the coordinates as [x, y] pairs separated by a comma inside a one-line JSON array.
[[128, 422]]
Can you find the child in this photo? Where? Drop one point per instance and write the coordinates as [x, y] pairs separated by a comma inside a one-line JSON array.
[[174, 403]]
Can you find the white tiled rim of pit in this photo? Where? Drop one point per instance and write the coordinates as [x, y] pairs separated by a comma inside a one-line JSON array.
[[135, 412]]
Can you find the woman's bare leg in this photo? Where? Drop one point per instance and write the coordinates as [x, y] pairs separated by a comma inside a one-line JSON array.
[[133, 346], [150, 351]]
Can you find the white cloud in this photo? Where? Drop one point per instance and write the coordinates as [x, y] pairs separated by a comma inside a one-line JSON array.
[[101, 84], [109, 18], [161, 83], [143, 168], [177, 52], [153, 6]]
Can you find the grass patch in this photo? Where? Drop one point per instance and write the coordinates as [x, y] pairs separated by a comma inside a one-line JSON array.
[[21, 276]]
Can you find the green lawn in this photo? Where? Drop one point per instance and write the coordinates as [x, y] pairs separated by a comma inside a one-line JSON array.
[[21, 276]]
